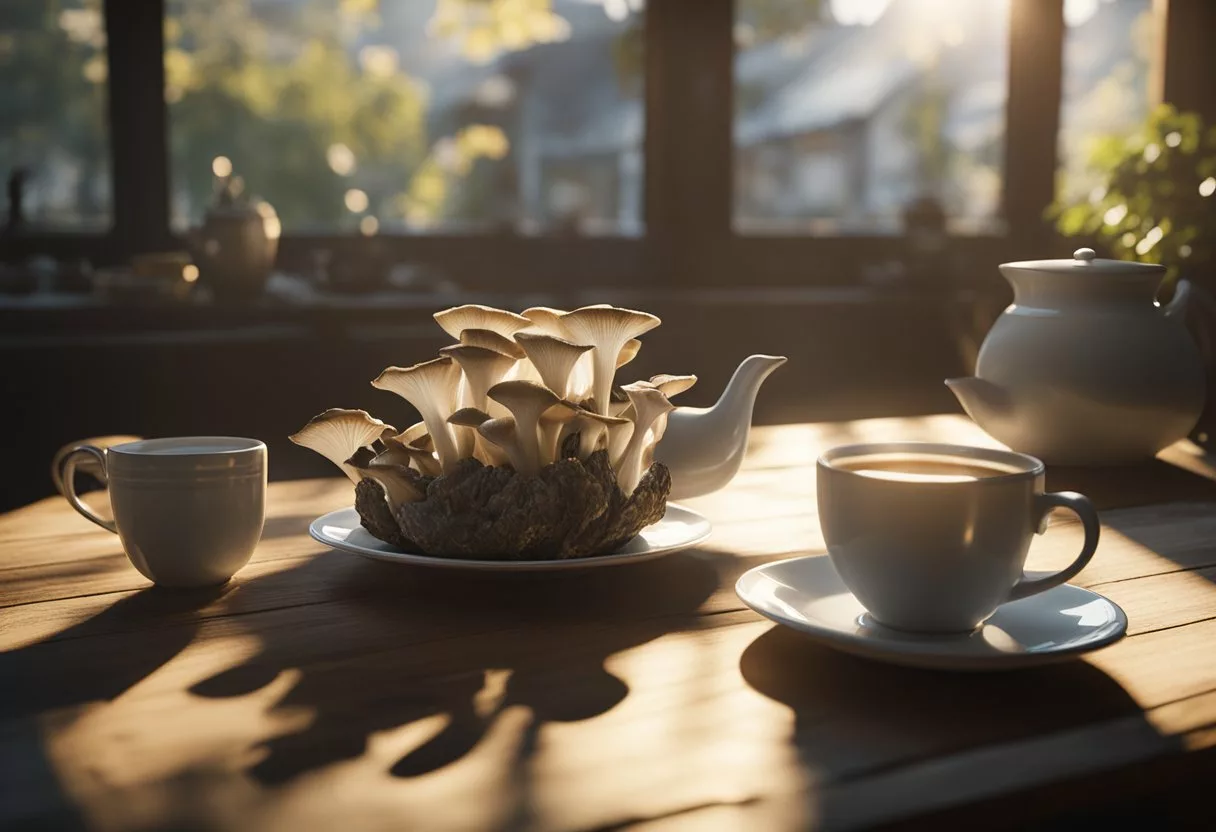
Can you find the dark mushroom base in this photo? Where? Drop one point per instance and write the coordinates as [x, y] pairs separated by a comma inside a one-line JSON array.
[[570, 509]]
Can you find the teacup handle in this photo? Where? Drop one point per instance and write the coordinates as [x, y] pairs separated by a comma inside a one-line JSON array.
[[1084, 509], [68, 477]]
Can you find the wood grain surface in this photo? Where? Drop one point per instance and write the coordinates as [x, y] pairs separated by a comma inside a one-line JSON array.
[[320, 690]]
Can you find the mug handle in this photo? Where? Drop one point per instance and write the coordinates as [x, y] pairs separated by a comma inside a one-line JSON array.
[[1080, 505], [67, 476]]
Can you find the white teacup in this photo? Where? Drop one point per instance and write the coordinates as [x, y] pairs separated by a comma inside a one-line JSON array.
[[933, 538], [189, 510]]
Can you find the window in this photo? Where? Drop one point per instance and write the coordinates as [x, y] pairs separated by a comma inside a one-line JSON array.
[[580, 142], [848, 113], [418, 116], [1108, 52], [53, 135]]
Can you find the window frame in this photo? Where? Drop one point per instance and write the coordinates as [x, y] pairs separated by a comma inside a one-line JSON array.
[[688, 239]]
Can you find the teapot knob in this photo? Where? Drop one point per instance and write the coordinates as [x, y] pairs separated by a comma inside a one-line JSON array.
[[1085, 255]]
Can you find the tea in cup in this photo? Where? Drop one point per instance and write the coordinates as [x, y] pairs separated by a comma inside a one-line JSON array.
[[932, 537], [189, 510]]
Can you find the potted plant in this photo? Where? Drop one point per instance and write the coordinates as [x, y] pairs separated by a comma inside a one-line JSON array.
[[1158, 203]]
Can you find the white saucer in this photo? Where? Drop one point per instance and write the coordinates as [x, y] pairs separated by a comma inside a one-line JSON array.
[[808, 595], [679, 529]]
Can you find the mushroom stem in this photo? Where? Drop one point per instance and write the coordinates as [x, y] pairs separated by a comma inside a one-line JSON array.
[[445, 444], [552, 421], [618, 438], [650, 404]]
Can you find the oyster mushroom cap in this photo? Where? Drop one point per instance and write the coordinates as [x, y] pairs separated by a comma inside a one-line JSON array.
[[554, 358], [483, 368], [527, 401], [431, 388], [398, 481], [672, 385], [469, 419], [650, 405], [502, 433], [608, 329], [425, 462], [393, 452], [546, 320], [669, 385], [475, 316], [491, 340], [619, 404], [417, 436], [628, 352], [419, 458], [337, 433]]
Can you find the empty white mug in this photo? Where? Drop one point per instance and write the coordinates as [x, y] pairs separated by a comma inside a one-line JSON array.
[[189, 510], [939, 551]]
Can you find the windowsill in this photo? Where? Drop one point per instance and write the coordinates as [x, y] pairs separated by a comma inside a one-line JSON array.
[[401, 299]]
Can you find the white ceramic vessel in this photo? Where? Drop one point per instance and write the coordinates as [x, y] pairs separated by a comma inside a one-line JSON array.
[[189, 510], [808, 595], [1085, 367], [940, 557], [703, 447], [679, 529]]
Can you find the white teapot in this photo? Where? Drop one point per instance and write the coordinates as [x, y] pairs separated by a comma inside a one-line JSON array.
[[1084, 367], [703, 447]]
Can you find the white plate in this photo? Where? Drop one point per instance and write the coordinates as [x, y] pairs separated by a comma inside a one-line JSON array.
[[808, 595], [679, 529]]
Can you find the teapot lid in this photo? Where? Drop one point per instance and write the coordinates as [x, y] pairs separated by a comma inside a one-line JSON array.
[[1086, 261]]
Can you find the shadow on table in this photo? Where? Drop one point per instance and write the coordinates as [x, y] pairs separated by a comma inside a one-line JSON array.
[[53, 676], [1147, 483], [855, 718], [1168, 510], [392, 646], [53, 673]]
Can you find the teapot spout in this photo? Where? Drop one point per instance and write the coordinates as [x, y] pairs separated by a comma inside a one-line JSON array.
[[703, 447], [1176, 308], [985, 402]]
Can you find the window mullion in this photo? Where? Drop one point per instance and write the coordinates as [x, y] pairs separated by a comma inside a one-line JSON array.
[[1188, 60], [1036, 61], [138, 137], [689, 143]]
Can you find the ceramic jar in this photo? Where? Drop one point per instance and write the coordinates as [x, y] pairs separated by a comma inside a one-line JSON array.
[[1085, 367]]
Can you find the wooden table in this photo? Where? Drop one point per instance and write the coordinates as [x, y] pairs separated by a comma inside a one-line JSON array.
[[319, 689]]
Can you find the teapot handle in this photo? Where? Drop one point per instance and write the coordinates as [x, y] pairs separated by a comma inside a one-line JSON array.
[[1176, 308]]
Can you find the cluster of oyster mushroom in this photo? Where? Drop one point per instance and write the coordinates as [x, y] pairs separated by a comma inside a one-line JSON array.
[[526, 448]]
